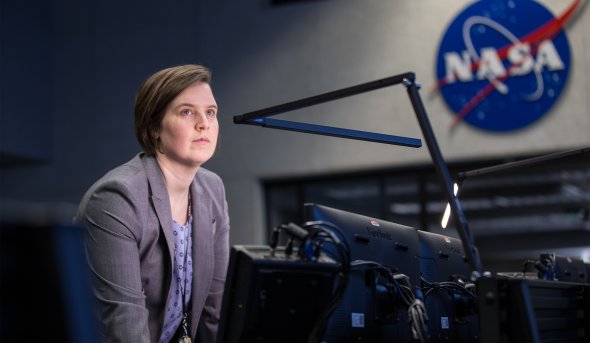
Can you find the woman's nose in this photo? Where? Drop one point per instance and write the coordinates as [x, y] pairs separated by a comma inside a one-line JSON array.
[[202, 122]]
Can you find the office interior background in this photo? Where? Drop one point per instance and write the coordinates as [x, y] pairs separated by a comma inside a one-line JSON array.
[[70, 70]]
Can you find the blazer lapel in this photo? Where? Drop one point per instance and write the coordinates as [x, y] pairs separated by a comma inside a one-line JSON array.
[[202, 250], [161, 202]]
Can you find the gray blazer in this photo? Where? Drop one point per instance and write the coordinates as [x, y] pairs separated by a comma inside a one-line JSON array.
[[130, 250]]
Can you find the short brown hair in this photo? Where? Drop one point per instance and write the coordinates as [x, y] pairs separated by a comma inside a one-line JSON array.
[[156, 93]]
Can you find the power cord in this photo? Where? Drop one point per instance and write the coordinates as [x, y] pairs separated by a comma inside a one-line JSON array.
[[400, 285]]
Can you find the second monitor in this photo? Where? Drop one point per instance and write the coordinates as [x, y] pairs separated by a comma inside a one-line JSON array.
[[367, 311]]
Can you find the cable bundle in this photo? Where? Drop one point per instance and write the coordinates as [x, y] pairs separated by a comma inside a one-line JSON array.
[[434, 286], [400, 287], [465, 301]]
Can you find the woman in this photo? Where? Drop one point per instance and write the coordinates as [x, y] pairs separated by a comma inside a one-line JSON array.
[[158, 226]]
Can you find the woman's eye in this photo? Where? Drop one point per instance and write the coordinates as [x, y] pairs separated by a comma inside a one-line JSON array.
[[186, 112], [211, 113]]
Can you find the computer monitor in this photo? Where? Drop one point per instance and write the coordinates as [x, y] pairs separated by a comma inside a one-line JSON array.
[[445, 272], [366, 312], [273, 297]]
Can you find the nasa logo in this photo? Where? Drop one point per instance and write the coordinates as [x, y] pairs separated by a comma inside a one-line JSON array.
[[502, 64]]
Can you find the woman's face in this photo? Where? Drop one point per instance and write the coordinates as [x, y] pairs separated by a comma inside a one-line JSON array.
[[189, 129]]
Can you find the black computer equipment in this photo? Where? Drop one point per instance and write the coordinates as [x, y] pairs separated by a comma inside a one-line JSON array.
[[274, 296], [370, 310], [449, 294], [514, 309], [562, 268]]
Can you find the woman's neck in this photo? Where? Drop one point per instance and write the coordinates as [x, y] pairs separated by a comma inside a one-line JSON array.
[[178, 180]]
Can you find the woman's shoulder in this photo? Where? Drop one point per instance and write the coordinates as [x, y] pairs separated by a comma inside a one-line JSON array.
[[210, 182], [207, 175], [122, 193], [208, 179], [128, 177], [128, 173]]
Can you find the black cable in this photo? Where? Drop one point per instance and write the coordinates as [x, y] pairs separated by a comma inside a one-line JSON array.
[[319, 235], [274, 240], [434, 286], [418, 318], [417, 314], [289, 247]]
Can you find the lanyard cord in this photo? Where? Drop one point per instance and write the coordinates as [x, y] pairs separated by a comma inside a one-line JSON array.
[[186, 336]]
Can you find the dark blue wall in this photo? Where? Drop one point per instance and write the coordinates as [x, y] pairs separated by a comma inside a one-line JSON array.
[[70, 70], [25, 54]]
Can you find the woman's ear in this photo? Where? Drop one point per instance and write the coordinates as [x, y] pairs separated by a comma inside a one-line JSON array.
[[155, 134], [156, 138]]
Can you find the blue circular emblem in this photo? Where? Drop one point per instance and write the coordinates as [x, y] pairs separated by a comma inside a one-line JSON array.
[[503, 64]]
